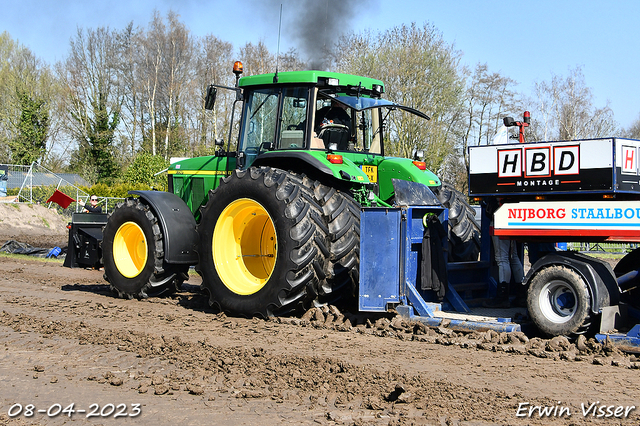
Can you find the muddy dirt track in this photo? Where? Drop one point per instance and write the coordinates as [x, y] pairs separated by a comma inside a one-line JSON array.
[[64, 339]]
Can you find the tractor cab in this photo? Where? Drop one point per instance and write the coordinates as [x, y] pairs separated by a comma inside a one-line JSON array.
[[328, 126], [312, 111]]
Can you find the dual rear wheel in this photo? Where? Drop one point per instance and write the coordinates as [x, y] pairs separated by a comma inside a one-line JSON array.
[[262, 244]]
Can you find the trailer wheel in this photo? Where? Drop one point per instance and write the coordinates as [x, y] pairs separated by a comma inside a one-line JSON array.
[[464, 232], [259, 251], [558, 301], [133, 254]]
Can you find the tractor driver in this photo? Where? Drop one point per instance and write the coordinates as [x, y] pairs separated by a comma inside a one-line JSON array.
[[332, 126]]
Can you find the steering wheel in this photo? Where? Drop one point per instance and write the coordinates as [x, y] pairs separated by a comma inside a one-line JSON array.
[[332, 126]]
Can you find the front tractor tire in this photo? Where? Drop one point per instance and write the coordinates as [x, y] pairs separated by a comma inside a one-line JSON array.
[[559, 302], [464, 231], [261, 244], [133, 253]]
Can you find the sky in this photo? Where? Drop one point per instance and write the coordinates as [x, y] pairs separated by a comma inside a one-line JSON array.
[[525, 41]]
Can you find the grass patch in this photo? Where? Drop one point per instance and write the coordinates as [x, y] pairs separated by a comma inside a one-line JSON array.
[[34, 258], [46, 223], [15, 206], [605, 255]]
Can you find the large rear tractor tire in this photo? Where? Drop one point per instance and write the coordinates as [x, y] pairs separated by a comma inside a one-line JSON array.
[[133, 253], [261, 242], [342, 215], [464, 231], [559, 302]]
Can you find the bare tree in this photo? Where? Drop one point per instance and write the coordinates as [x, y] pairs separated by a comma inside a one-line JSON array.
[[257, 59], [93, 99], [290, 61], [214, 66], [487, 99], [131, 88], [177, 70], [633, 131], [150, 67], [566, 108]]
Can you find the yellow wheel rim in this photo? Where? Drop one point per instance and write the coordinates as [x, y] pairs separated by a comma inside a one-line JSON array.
[[130, 250], [244, 246]]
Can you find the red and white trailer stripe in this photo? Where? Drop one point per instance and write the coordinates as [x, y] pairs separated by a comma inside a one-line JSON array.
[[603, 220]]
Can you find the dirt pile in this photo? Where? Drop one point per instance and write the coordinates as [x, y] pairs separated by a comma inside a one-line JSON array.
[[32, 224], [67, 339]]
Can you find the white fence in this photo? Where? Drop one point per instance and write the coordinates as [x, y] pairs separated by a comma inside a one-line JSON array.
[[614, 248], [29, 178]]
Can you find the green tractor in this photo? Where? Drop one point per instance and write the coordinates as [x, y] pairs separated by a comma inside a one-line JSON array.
[[273, 227]]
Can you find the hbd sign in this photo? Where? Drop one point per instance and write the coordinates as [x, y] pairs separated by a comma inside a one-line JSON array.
[[536, 162], [539, 167]]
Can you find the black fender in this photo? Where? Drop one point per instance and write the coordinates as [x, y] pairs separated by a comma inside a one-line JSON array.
[[600, 279], [177, 224]]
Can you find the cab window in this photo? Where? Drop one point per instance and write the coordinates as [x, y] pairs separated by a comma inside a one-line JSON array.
[[261, 112], [294, 117]]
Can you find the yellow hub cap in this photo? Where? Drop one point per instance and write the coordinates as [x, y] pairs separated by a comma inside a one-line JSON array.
[[244, 246], [130, 249]]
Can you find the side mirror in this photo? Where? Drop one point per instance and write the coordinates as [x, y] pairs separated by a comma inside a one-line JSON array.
[[299, 103], [267, 146], [210, 100]]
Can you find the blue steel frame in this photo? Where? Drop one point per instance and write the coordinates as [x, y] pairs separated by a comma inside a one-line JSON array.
[[391, 241]]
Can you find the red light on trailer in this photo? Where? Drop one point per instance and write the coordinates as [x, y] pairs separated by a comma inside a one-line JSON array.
[[334, 158], [420, 164]]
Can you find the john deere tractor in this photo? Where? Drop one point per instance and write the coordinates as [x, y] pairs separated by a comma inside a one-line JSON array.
[[273, 226]]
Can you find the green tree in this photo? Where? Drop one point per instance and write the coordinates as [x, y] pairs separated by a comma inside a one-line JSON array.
[[26, 92], [144, 170], [31, 141]]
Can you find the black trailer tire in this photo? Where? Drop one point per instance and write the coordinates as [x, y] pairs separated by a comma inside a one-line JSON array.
[[133, 253], [464, 231], [630, 262], [260, 243], [631, 292], [342, 215], [559, 302]]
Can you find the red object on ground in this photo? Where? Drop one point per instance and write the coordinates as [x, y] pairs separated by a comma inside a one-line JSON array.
[[61, 199]]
